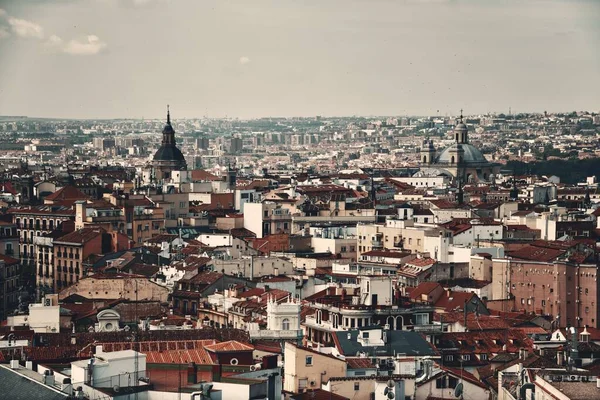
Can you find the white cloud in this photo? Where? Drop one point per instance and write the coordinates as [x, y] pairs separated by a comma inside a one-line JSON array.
[[2, 12], [54, 42], [26, 28], [244, 60], [4, 32], [92, 45]]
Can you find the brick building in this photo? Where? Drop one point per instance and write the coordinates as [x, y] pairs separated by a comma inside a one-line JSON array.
[[559, 280]]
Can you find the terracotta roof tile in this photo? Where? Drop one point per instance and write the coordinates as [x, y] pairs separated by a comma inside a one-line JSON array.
[[230, 346]]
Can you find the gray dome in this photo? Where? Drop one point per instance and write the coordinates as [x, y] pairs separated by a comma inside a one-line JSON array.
[[461, 127], [169, 153], [471, 154]]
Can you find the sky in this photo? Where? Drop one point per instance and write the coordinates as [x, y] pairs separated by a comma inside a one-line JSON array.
[[251, 59]]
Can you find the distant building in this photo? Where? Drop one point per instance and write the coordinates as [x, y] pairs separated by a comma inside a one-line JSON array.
[[461, 160]]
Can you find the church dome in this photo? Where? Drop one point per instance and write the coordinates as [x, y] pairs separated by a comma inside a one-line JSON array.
[[168, 153], [471, 154]]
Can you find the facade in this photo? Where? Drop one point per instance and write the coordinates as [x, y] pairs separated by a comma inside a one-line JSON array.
[[34, 221], [564, 290], [283, 322], [117, 286], [267, 219], [71, 252], [9, 239], [307, 369], [9, 285]]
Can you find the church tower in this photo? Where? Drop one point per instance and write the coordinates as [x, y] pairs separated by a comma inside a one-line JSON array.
[[461, 131], [168, 157], [427, 152]]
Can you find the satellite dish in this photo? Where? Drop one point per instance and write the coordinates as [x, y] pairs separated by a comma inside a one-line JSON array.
[[127, 328], [391, 395], [391, 384], [458, 390], [116, 388]]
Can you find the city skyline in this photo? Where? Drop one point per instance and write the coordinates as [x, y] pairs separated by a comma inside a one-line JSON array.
[[111, 59]]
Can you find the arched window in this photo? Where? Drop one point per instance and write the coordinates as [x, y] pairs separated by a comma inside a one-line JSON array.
[[424, 159], [452, 160], [285, 324]]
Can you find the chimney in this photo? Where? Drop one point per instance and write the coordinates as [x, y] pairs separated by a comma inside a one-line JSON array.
[[192, 373], [216, 373], [523, 353], [560, 358]]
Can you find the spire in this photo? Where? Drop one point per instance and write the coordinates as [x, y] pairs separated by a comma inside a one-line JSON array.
[[169, 116], [461, 115]]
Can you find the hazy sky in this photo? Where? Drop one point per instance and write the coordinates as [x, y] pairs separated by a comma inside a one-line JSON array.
[[253, 58]]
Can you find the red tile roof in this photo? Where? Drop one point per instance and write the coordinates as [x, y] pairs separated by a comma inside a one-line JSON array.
[[318, 394], [80, 236], [68, 194], [424, 288], [359, 363], [8, 260], [202, 175], [422, 262], [453, 300], [230, 346]]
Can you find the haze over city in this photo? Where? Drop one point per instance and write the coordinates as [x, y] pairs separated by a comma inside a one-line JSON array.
[[128, 58], [299, 200]]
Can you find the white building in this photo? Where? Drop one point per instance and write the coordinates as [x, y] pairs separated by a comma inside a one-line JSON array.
[[109, 370]]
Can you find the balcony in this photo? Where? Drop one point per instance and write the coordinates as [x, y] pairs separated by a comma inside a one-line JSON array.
[[311, 322], [279, 217], [428, 328], [275, 335]]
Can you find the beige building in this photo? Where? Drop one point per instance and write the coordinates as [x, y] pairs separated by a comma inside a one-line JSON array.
[[117, 286], [253, 266], [480, 267], [307, 369], [395, 234], [369, 387]]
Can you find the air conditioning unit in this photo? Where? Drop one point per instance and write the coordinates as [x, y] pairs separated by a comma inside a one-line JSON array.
[[573, 378], [47, 302]]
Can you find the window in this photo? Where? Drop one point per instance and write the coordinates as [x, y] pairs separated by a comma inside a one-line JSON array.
[[356, 386], [483, 357], [302, 384], [421, 319], [309, 361], [466, 357], [452, 382], [449, 358], [365, 335], [285, 324]]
